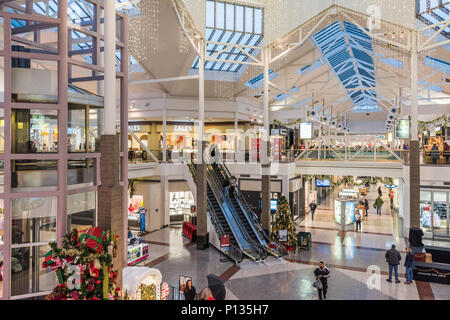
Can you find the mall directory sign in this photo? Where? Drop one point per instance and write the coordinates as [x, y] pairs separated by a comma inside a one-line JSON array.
[[402, 129]]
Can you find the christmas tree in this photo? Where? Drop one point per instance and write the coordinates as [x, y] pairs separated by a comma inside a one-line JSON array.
[[83, 266], [283, 221]]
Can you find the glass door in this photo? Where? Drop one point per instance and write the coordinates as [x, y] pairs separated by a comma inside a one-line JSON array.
[[440, 214]]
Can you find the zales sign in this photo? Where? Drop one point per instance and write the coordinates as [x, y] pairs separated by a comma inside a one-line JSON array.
[[182, 128]]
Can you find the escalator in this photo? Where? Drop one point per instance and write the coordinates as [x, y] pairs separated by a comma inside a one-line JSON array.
[[245, 214], [225, 224]]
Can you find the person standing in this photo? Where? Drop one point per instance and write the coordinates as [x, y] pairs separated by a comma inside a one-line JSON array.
[[434, 153], [393, 258], [358, 221], [366, 206], [379, 192], [409, 265], [189, 291], [312, 207], [446, 152], [378, 204], [322, 273]]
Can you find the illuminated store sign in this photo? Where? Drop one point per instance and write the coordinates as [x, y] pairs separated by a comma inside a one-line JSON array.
[[182, 128]]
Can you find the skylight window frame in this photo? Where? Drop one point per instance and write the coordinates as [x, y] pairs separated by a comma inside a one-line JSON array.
[[234, 56]]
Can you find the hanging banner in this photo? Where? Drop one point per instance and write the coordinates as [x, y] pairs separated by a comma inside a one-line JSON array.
[[142, 219], [255, 150], [277, 148]]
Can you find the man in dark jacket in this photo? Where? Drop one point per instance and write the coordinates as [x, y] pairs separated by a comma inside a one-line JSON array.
[[312, 207], [409, 265], [322, 273], [393, 258]]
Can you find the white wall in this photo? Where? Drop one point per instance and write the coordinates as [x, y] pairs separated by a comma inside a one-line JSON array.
[[151, 191]]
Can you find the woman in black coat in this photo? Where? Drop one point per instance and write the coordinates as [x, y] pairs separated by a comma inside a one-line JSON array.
[[189, 291]]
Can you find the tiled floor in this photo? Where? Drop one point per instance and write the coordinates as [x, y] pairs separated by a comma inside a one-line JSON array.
[[351, 257]]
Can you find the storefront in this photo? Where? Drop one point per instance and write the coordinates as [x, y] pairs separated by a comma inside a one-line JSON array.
[[182, 137], [297, 198], [435, 212], [435, 136], [182, 206]]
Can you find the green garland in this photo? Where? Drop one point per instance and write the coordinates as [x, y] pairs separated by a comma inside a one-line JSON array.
[[423, 124], [350, 180], [276, 122]]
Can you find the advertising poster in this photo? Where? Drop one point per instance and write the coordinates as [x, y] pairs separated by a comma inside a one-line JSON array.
[[277, 148], [349, 212], [182, 283], [402, 129], [306, 130], [337, 211], [282, 235], [255, 149]]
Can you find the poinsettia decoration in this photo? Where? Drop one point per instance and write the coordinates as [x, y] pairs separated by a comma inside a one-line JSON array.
[[83, 266]]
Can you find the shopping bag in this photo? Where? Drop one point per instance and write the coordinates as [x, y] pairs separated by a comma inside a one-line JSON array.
[[318, 284]]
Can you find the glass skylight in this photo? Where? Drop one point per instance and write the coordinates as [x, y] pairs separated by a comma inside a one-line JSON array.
[[349, 52], [231, 23], [434, 11]]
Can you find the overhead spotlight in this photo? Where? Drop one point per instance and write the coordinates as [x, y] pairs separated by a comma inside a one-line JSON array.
[[325, 119], [368, 114], [393, 110], [147, 105], [313, 113], [333, 123]]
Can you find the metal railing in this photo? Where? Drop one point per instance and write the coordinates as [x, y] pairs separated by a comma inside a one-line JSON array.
[[351, 148]]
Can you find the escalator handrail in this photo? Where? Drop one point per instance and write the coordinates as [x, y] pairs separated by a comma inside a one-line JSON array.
[[219, 194]]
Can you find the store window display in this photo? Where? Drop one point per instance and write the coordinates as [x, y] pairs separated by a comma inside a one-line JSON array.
[[434, 213], [180, 206], [34, 131]]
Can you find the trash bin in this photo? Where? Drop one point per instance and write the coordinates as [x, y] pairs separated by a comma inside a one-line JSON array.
[[304, 240]]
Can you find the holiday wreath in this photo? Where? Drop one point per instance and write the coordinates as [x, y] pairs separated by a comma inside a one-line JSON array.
[[83, 266]]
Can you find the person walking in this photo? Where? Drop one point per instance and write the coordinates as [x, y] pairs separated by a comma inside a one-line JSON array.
[[434, 153], [358, 221], [380, 193], [312, 207], [366, 206], [409, 265], [393, 258], [322, 273], [378, 205], [189, 291], [446, 152]]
